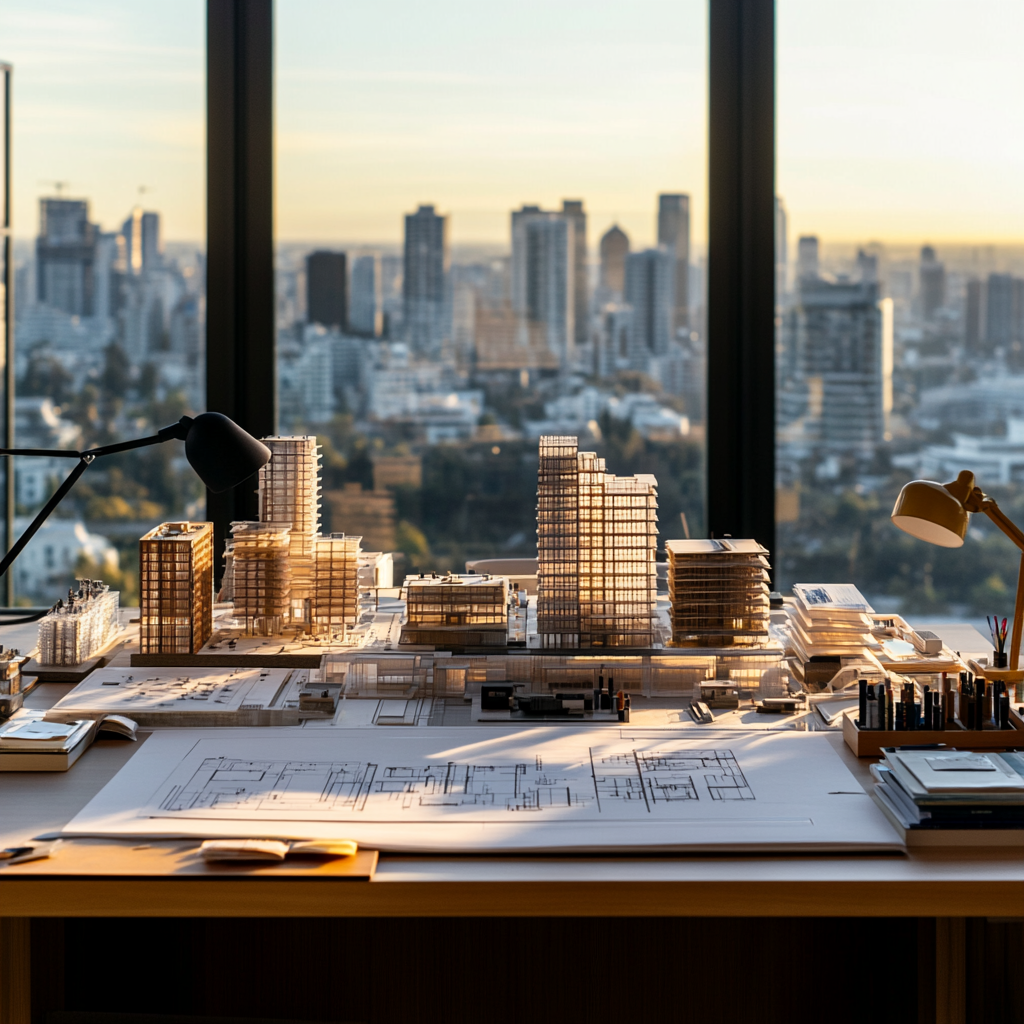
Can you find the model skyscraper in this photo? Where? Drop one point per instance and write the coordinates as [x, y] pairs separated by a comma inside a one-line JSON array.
[[596, 541]]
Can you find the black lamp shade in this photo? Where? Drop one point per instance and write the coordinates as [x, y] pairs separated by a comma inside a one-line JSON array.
[[221, 452]]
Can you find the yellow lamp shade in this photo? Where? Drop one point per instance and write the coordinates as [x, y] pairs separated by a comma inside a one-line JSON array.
[[929, 511]]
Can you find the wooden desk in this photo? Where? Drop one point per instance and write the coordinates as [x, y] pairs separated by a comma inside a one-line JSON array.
[[99, 879]]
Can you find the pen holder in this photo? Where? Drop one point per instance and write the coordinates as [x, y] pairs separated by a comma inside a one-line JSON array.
[[1000, 659]]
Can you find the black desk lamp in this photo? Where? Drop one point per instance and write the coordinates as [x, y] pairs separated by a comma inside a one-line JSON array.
[[217, 448]]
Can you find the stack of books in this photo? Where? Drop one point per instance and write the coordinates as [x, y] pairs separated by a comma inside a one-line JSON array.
[[28, 744], [830, 630], [943, 796], [719, 592]]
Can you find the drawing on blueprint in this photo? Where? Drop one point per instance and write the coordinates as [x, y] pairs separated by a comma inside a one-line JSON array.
[[634, 782]]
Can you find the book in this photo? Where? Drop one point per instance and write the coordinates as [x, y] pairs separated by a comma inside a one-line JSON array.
[[957, 774], [31, 745]]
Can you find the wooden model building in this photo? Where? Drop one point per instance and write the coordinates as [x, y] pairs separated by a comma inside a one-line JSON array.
[[289, 495], [456, 610], [719, 592], [596, 541], [334, 598], [261, 576], [176, 588]]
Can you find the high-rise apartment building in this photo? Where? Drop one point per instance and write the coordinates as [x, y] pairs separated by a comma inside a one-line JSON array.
[[572, 211], [974, 316], [366, 310], [327, 289], [1004, 306], [932, 279], [674, 236], [426, 308], [650, 290], [143, 250], [543, 276], [596, 540], [614, 250], [66, 256], [781, 254], [843, 353], [807, 266]]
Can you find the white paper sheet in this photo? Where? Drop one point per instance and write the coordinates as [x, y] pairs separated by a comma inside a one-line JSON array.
[[478, 789]]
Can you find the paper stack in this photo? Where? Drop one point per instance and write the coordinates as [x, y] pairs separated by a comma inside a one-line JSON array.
[[719, 592], [931, 791]]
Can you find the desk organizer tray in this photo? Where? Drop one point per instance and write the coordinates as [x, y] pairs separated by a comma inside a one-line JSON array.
[[869, 742]]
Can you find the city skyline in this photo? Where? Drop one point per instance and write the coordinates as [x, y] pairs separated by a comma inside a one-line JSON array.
[[903, 135]]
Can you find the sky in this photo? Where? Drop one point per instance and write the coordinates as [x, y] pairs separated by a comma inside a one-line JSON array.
[[898, 120]]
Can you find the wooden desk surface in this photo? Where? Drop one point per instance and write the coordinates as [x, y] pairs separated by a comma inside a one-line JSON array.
[[101, 878]]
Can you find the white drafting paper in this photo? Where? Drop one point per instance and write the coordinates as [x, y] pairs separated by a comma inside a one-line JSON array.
[[478, 789]]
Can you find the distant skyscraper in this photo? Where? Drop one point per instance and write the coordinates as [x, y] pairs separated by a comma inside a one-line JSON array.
[[867, 266], [974, 316], [674, 235], [807, 258], [932, 276], [425, 280], [781, 253], [66, 256], [327, 289], [1002, 311], [842, 362], [614, 250], [650, 282], [572, 210], [543, 276], [366, 309], [143, 251]]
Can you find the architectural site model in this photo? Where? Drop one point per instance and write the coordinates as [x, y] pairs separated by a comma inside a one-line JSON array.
[[606, 701]]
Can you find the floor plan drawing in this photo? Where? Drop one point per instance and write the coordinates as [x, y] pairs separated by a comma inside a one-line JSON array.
[[489, 788], [626, 780]]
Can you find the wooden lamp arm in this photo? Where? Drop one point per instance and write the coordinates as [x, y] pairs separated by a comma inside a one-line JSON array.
[[995, 513]]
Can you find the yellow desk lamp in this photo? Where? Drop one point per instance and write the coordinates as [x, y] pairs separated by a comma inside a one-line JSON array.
[[939, 514]]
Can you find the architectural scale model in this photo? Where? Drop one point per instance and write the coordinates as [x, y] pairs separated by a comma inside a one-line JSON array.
[[456, 610], [73, 632], [597, 536], [176, 588], [280, 574], [289, 495], [719, 592], [187, 697], [261, 576], [334, 598]]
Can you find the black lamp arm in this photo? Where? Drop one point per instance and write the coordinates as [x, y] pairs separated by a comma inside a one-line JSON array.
[[177, 431]]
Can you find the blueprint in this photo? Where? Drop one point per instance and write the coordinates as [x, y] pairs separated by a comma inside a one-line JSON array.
[[624, 782], [484, 789]]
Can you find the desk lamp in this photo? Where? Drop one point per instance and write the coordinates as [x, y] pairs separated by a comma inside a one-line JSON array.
[[217, 448], [939, 514]]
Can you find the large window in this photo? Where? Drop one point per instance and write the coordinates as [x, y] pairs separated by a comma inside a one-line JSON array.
[[490, 226], [900, 294], [109, 221]]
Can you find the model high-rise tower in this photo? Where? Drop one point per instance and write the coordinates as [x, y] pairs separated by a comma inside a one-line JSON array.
[[596, 540], [176, 588], [289, 496]]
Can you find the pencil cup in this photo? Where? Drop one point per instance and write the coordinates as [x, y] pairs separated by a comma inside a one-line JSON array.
[[1000, 659]]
